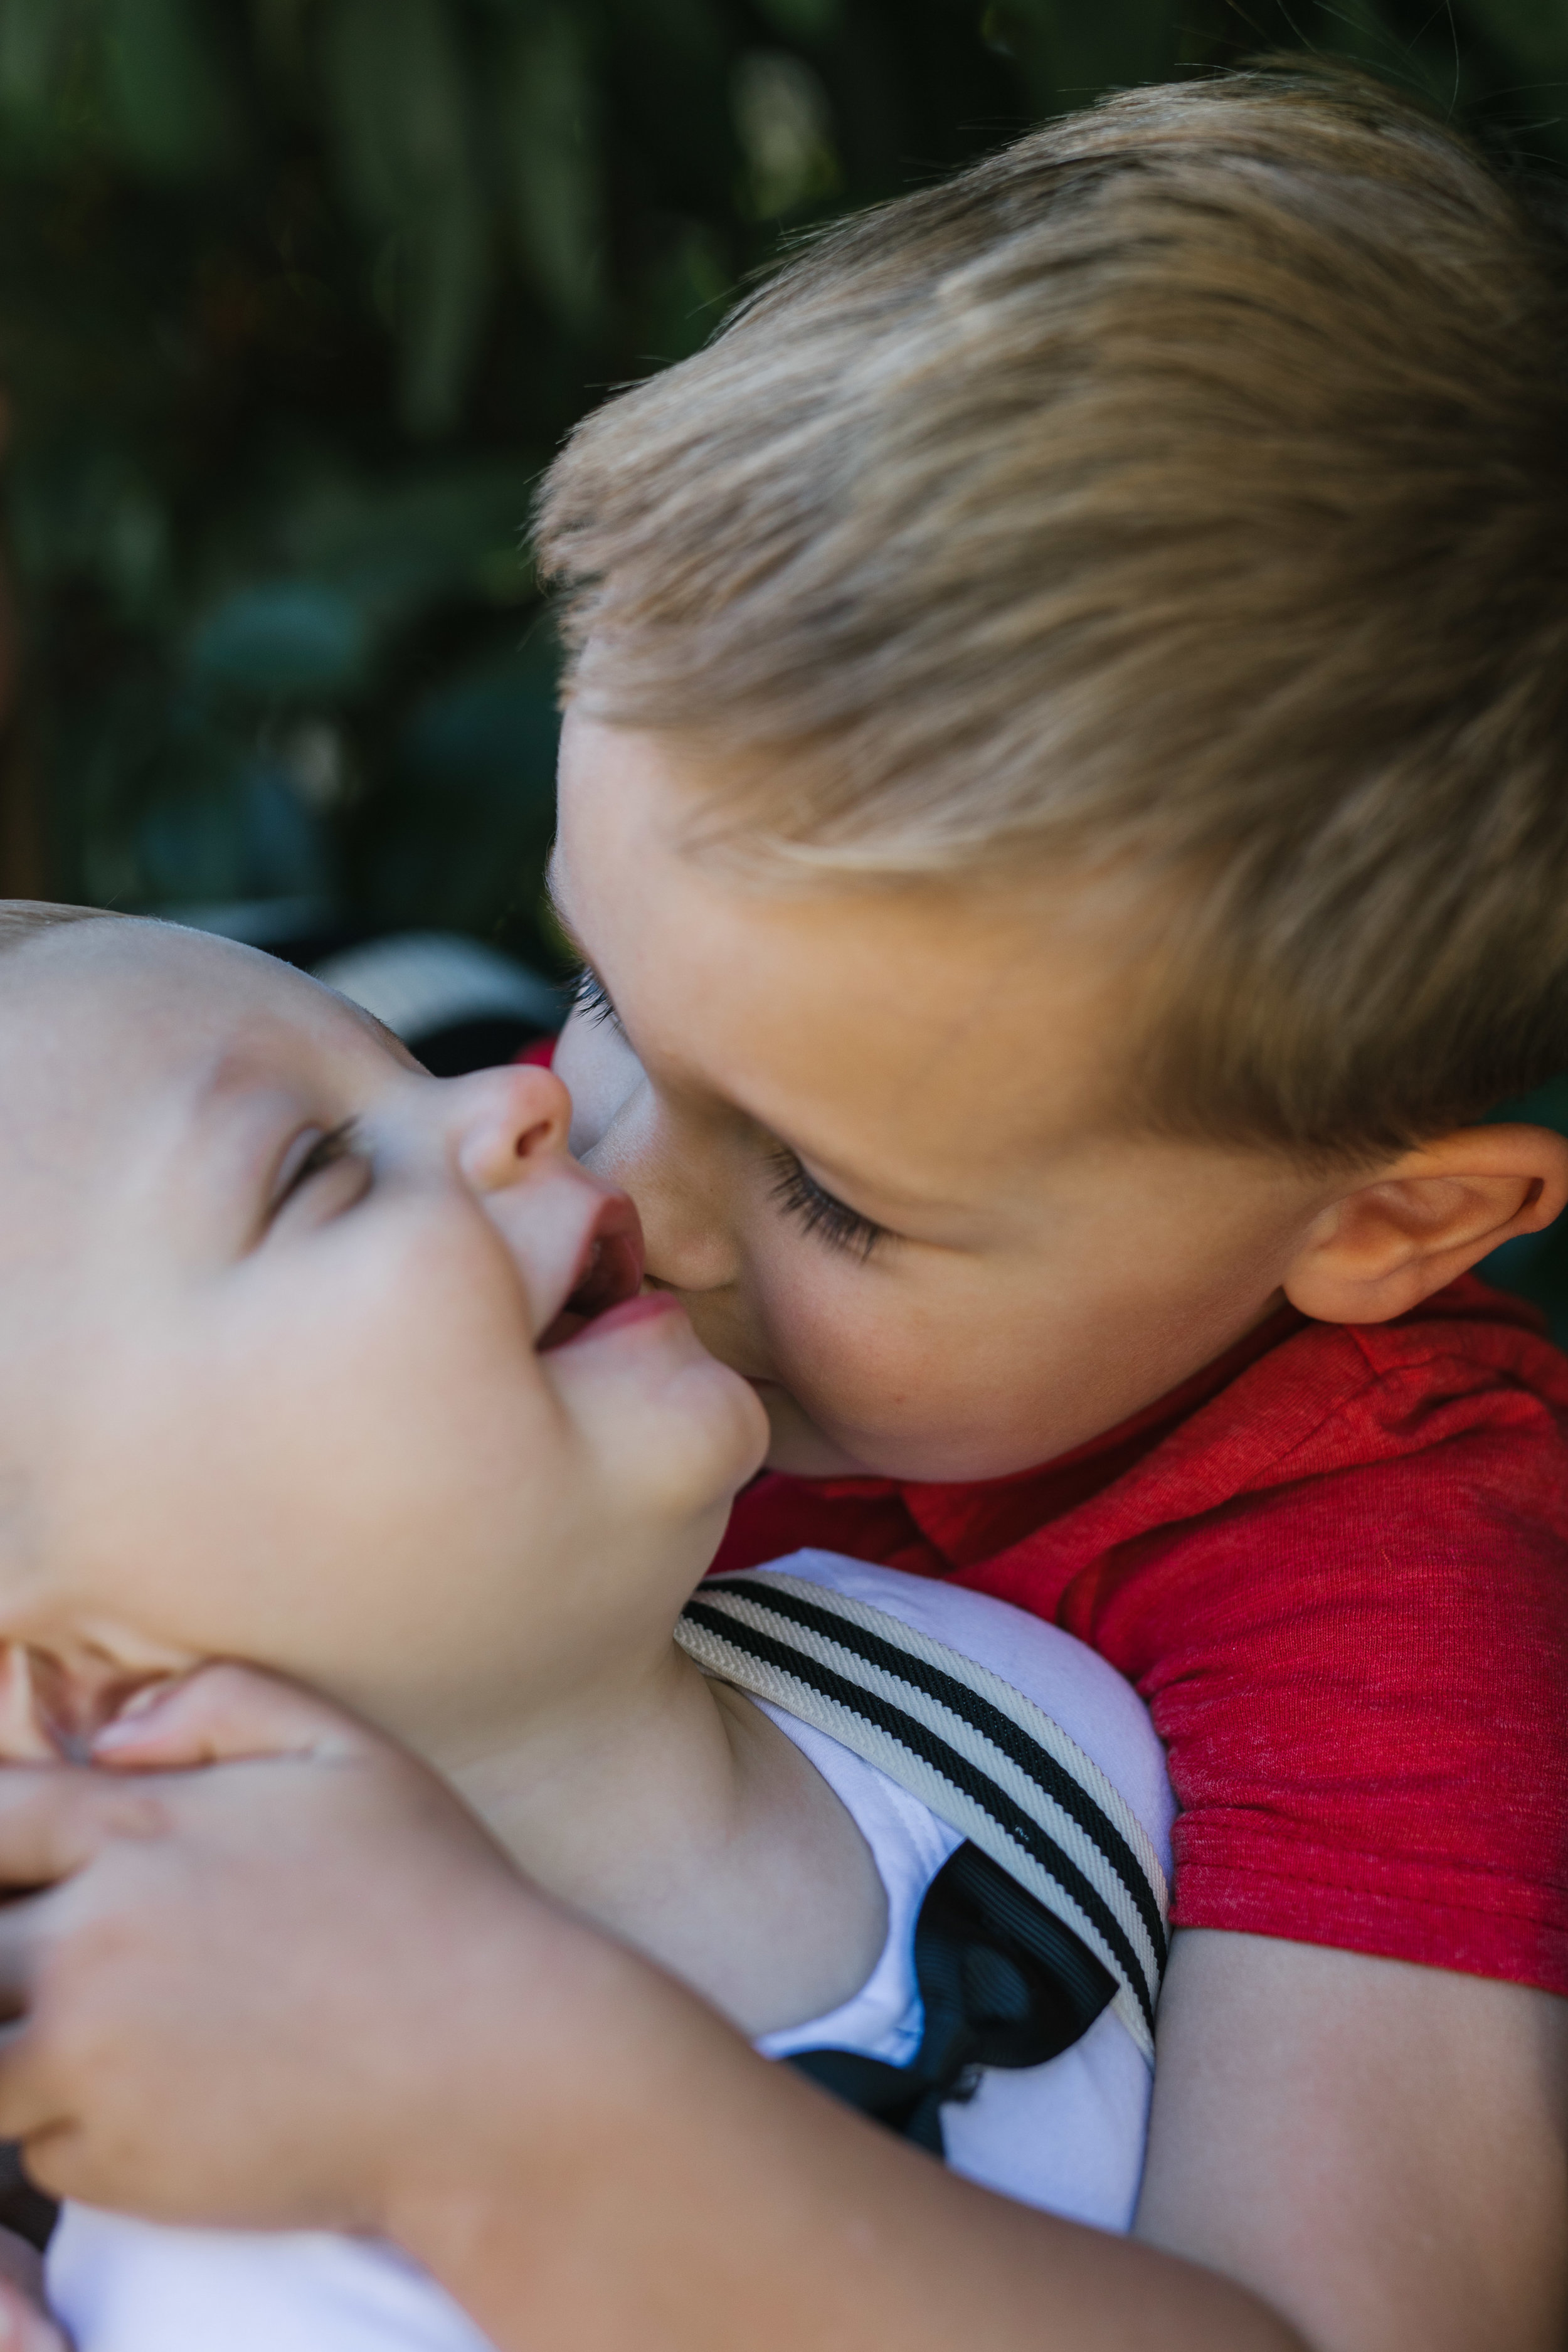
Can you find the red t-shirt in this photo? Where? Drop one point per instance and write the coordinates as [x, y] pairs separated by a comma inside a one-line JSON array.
[[1335, 1563]]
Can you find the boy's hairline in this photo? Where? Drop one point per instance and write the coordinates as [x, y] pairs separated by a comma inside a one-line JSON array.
[[783, 868]]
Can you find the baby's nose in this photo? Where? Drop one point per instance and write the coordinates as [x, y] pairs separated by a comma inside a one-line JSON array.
[[511, 1120]]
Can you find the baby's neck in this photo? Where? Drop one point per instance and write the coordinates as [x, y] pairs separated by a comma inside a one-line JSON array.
[[673, 1813]]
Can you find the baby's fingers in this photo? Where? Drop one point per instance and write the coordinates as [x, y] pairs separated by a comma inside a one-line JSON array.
[[53, 1819], [24, 2327], [221, 1713]]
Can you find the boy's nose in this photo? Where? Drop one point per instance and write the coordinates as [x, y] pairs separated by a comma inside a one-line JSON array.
[[510, 1119]]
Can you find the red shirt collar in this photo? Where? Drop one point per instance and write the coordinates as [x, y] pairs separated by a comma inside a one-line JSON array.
[[966, 1521]]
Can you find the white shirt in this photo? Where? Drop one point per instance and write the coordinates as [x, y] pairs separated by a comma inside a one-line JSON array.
[[1068, 2137]]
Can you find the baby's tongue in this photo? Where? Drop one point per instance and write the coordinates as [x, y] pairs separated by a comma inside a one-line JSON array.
[[614, 1273], [47, 1709]]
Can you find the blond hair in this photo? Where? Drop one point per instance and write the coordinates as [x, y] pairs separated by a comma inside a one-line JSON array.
[[1184, 487]]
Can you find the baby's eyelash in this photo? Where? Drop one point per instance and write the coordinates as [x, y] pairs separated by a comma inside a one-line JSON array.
[[336, 1144], [590, 998], [820, 1212]]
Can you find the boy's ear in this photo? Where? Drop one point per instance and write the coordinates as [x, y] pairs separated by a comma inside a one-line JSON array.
[[1388, 1243]]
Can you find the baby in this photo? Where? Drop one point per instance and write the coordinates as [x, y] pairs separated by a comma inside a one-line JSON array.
[[310, 1360]]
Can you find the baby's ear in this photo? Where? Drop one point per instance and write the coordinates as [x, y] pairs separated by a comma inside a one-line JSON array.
[[26, 1736]]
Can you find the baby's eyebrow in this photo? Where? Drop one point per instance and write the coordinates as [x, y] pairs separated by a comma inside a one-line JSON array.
[[228, 1071], [229, 1111], [388, 1038]]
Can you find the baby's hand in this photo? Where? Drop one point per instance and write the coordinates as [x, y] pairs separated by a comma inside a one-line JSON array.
[[254, 1994], [23, 2324], [24, 2327]]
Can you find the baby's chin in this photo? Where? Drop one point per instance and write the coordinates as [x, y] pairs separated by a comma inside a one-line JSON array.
[[675, 1437], [796, 1443]]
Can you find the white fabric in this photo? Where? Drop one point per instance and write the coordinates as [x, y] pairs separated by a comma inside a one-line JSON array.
[[1068, 2137]]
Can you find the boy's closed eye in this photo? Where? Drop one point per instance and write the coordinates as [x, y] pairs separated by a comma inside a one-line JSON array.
[[820, 1213], [592, 999]]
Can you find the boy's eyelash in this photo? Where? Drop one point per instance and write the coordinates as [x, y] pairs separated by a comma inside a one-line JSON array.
[[798, 1194], [820, 1212], [590, 998]]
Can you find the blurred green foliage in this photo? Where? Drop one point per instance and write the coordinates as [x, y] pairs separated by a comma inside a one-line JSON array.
[[297, 296]]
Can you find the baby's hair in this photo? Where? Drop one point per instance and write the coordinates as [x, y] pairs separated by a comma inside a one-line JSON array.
[[1182, 490], [22, 920]]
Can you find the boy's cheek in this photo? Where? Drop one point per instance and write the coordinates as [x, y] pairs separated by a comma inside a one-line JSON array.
[[845, 1382], [798, 1356]]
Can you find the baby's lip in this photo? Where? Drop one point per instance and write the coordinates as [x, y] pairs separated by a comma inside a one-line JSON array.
[[609, 1269]]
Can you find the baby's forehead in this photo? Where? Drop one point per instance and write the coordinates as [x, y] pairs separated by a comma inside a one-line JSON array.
[[103, 1025]]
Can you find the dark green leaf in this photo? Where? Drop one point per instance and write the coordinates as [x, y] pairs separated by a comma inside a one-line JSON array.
[[547, 134], [293, 637], [401, 108], [168, 106]]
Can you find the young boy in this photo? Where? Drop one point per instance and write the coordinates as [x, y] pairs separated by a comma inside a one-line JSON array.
[[313, 1359], [1062, 803]]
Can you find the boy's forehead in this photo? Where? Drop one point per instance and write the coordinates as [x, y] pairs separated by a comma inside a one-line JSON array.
[[976, 1019]]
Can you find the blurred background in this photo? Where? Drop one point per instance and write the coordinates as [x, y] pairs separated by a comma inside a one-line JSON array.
[[298, 295]]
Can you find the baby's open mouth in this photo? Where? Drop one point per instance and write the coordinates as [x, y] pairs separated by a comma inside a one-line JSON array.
[[611, 1271]]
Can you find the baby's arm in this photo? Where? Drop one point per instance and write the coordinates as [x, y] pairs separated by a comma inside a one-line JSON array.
[[330, 2000], [306, 1989]]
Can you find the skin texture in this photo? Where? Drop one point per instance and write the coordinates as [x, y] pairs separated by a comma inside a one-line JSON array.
[[585, 2156], [1379, 2149]]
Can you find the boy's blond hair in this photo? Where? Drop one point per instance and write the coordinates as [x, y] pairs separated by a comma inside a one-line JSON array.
[[1186, 488]]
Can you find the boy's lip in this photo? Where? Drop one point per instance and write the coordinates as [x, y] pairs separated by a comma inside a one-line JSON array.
[[608, 1273]]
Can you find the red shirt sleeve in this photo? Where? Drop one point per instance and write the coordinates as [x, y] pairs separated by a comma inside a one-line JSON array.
[[1341, 1581], [1359, 1664], [1361, 1689]]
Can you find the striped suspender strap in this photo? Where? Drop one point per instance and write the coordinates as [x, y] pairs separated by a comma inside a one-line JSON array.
[[983, 1757]]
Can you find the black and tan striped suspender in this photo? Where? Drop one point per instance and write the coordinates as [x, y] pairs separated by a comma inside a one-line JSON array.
[[983, 1756]]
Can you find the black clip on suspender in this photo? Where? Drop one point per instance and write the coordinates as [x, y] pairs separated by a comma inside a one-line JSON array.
[[1052, 1910]]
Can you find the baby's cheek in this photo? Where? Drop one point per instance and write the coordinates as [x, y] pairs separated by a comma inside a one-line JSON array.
[[599, 1070]]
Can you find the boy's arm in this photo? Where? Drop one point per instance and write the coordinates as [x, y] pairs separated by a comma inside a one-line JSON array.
[[307, 1990], [1376, 2151], [304, 1991], [1380, 2150]]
